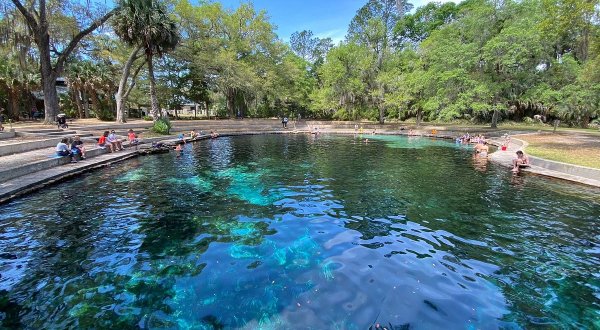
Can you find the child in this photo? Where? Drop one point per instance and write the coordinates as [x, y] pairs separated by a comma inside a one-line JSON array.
[[77, 147], [132, 138], [103, 143]]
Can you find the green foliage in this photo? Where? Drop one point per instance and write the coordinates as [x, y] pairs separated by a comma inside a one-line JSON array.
[[161, 126], [467, 62], [147, 24], [414, 28], [147, 118]]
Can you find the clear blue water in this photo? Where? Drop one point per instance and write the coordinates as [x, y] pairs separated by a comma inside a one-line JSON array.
[[298, 232]]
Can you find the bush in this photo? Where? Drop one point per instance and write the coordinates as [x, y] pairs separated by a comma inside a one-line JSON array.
[[528, 120], [147, 118], [105, 115], [161, 126]]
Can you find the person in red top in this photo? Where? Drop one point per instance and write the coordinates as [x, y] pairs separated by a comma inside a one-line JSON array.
[[103, 143], [132, 138]]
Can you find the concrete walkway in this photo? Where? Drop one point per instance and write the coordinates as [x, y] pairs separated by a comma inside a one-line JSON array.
[[580, 174], [25, 184]]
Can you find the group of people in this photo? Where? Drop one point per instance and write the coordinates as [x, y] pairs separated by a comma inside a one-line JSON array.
[[482, 149], [195, 135], [72, 148], [467, 138], [111, 141], [75, 149]]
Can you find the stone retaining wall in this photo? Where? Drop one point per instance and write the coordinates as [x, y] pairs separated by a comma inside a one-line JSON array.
[[16, 148]]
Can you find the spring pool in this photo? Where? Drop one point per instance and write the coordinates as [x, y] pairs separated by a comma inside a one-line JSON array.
[[286, 232]]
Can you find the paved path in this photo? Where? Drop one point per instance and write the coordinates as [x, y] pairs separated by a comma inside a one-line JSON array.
[[574, 173], [28, 183]]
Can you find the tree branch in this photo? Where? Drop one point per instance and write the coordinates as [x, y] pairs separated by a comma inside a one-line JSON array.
[[60, 62], [133, 76], [33, 24]]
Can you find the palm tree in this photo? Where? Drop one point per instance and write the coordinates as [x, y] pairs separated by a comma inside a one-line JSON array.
[[146, 23]]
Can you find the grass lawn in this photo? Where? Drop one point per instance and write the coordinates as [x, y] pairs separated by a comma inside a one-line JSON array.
[[572, 148]]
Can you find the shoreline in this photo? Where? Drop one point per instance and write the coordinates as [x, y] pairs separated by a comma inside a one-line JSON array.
[[21, 186]]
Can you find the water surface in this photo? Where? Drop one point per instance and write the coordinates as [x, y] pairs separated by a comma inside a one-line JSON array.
[[286, 232]]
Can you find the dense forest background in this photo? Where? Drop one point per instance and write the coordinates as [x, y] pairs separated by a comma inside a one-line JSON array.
[[479, 61]]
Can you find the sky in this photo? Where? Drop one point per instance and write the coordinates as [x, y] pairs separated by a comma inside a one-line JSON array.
[[326, 18]]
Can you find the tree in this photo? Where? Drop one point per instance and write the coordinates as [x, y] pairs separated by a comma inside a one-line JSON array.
[[414, 28], [125, 87], [344, 94], [147, 24], [52, 60], [304, 44], [373, 27]]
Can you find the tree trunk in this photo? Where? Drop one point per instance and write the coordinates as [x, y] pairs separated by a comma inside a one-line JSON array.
[[96, 103], [419, 118], [13, 94], [77, 97], [51, 106], [231, 101], [381, 115], [495, 119], [50, 97], [120, 96], [86, 104], [585, 121], [155, 109]]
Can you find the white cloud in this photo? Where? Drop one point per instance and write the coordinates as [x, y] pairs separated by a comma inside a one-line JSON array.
[[336, 35]]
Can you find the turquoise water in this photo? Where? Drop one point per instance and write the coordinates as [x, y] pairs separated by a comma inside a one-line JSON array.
[[286, 232]]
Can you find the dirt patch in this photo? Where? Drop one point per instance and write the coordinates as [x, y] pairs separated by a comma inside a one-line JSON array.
[[571, 148]]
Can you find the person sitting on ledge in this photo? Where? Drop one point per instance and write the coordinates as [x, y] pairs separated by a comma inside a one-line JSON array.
[[112, 139], [133, 140], [103, 143], [62, 150], [77, 147], [521, 161], [214, 134], [193, 134]]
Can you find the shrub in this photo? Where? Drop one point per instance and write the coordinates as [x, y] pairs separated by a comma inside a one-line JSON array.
[[147, 118], [105, 115], [528, 120], [161, 126]]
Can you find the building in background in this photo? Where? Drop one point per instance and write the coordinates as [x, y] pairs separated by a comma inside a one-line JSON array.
[[191, 110]]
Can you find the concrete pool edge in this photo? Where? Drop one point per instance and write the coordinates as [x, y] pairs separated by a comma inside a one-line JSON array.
[[21, 186], [549, 168]]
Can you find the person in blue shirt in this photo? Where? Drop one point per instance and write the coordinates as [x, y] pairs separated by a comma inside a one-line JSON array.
[[62, 150]]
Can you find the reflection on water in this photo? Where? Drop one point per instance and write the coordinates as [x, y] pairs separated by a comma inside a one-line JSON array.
[[280, 232]]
